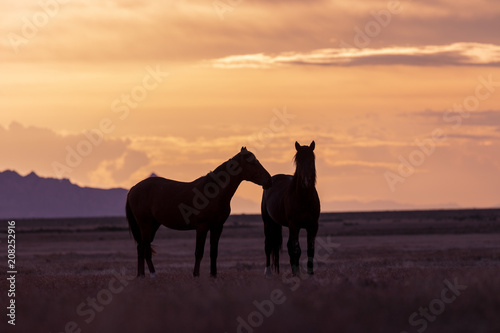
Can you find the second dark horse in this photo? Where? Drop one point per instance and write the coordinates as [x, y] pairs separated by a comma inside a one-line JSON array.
[[202, 205], [292, 202]]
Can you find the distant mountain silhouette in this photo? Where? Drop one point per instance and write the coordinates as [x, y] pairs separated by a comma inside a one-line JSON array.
[[34, 196], [379, 205], [239, 205]]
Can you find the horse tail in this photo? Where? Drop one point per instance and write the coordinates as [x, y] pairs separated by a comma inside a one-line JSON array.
[[133, 227], [274, 238]]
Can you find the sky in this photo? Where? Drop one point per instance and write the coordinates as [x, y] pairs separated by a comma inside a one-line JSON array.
[[402, 98]]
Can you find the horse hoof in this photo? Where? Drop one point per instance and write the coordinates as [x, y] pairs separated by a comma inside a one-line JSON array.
[[310, 272], [213, 276], [153, 275], [267, 272]]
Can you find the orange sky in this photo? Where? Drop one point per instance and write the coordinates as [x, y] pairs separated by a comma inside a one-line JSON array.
[[177, 87]]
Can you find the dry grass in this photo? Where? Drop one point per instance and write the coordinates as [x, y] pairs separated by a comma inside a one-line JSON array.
[[368, 284]]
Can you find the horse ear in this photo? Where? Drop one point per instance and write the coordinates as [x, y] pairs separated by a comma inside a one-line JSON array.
[[297, 146], [312, 145], [243, 149]]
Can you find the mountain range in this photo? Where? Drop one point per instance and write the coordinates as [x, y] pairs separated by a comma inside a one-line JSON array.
[[32, 196]]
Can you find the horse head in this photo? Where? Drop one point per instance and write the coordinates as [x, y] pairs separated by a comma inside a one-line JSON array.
[[305, 164], [252, 170]]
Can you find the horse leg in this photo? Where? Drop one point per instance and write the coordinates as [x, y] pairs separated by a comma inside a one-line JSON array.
[[267, 248], [140, 260], [311, 237], [294, 249], [268, 244], [148, 251], [215, 233], [201, 236]]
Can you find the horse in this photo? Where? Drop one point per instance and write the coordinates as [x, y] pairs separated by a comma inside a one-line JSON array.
[[202, 205], [292, 202]]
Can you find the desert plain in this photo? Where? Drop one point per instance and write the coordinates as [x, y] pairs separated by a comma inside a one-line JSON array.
[[420, 271]]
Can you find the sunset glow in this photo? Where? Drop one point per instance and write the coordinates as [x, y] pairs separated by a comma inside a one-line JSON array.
[[402, 98]]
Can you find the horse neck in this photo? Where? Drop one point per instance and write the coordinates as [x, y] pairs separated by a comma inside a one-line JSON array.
[[226, 190], [297, 185]]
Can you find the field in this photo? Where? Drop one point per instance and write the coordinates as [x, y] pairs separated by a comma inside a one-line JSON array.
[[432, 271]]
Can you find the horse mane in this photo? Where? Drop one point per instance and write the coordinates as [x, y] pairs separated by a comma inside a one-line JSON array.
[[222, 166], [302, 156]]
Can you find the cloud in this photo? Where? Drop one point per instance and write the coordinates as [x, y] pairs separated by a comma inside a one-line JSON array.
[[350, 164], [39, 149], [353, 166], [457, 54], [484, 120], [90, 31], [474, 137]]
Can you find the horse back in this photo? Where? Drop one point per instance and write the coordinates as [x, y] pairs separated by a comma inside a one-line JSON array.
[[161, 199]]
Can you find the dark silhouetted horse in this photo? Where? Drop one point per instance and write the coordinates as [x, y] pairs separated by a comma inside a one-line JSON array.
[[202, 205], [292, 202]]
